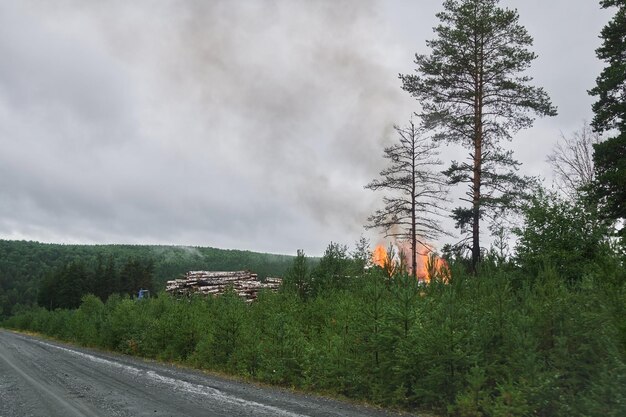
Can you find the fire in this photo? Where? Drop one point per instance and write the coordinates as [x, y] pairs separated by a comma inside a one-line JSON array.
[[379, 256], [427, 262]]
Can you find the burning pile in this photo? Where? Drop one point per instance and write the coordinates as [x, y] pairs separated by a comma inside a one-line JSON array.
[[244, 283], [427, 261], [380, 256]]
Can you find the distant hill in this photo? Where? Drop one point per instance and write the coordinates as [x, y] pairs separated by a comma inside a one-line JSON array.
[[23, 264]]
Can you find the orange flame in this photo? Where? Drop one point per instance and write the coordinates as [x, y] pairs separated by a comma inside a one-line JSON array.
[[379, 256], [424, 254], [431, 264], [428, 263]]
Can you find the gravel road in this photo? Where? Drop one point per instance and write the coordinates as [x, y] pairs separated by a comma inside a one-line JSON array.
[[43, 378]]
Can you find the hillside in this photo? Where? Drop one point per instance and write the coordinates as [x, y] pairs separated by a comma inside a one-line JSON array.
[[23, 264]]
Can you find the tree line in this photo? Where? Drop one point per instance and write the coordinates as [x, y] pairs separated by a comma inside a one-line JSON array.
[[64, 287], [24, 265], [520, 337]]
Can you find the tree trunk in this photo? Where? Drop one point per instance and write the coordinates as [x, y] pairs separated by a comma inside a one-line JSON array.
[[413, 241], [413, 215], [476, 204], [478, 142]]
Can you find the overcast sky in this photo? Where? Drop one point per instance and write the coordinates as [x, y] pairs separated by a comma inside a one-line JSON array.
[[236, 124]]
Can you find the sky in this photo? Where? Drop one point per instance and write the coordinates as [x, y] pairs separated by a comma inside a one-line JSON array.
[[249, 124]]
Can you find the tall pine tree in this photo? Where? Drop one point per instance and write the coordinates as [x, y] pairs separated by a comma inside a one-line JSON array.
[[473, 92], [610, 115]]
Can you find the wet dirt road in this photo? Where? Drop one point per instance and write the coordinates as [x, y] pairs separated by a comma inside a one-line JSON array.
[[43, 378]]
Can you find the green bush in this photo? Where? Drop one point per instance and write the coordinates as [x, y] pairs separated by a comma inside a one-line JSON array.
[[492, 344]]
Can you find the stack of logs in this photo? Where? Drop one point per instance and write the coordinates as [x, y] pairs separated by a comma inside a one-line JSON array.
[[244, 283]]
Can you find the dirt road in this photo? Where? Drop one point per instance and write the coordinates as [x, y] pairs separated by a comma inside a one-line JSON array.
[[42, 378]]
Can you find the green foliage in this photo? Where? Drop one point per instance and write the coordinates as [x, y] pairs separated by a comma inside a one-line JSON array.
[[361, 256], [88, 321], [610, 108], [484, 345], [26, 268], [333, 269], [561, 234], [297, 278], [472, 402], [610, 186], [473, 91], [65, 286], [610, 116]]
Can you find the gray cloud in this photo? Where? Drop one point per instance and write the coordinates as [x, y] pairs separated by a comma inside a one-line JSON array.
[[250, 124]]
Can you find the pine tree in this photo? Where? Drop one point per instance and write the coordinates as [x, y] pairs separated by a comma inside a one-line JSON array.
[[472, 91], [71, 281], [610, 115], [297, 277], [416, 191], [111, 278], [332, 270], [361, 256], [99, 279]]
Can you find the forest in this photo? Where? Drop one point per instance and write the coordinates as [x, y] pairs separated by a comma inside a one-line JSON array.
[[530, 321], [538, 334], [25, 268]]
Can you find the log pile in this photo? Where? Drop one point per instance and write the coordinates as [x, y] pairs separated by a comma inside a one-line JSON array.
[[244, 283]]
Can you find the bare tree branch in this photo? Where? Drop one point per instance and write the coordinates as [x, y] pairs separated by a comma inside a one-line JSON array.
[[572, 160]]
